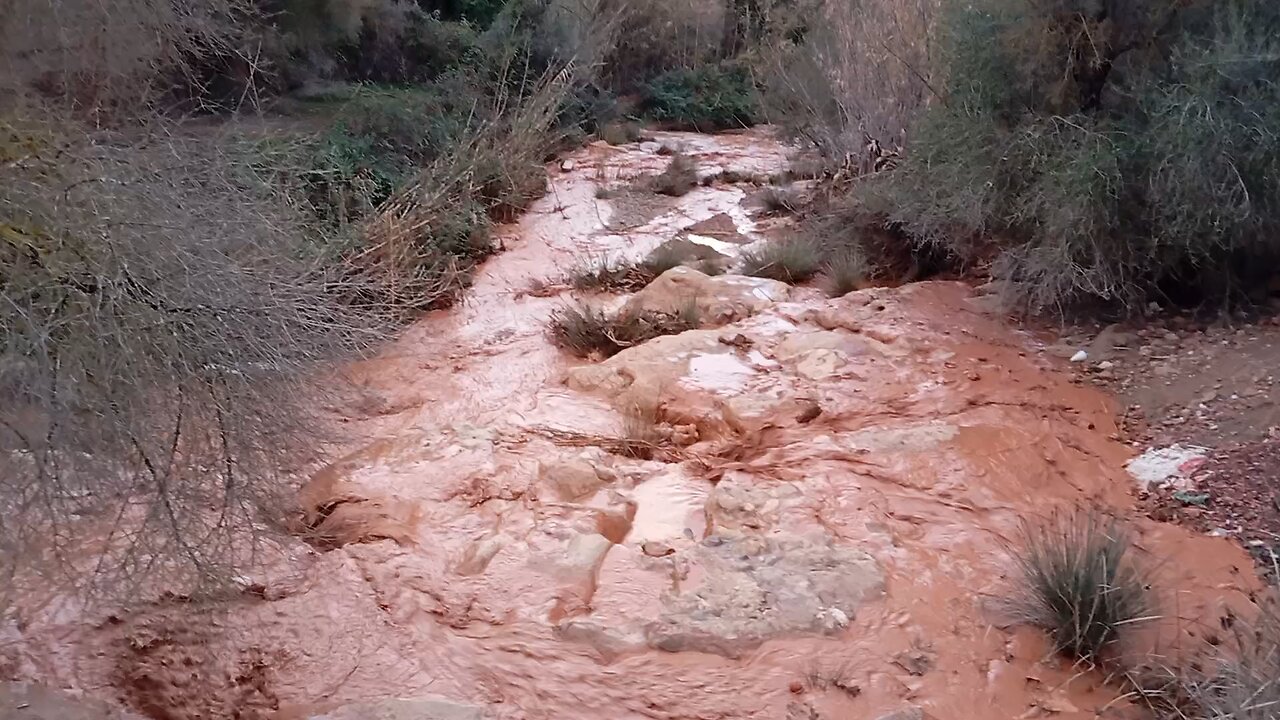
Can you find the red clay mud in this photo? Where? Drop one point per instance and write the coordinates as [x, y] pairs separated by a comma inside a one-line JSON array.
[[825, 532]]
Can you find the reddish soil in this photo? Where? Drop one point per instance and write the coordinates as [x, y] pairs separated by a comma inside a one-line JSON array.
[[1213, 385]]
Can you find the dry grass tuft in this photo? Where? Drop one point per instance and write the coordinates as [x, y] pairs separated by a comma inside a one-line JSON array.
[[820, 678], [621, 275], [791, 261], [679, 178], [732, 176], [639, 436], [621, 133], [844, 272], [710, 267], [591, 332], [1079, 582], [777, 201]]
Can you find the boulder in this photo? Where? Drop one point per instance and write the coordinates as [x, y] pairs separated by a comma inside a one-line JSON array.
[[636, 377], [720, 299], [569, 478]]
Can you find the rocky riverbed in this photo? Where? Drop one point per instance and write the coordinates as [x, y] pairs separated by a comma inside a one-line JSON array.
[[816, 524]]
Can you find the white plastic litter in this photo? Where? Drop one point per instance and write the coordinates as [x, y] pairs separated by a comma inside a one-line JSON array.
[[1172, 466]]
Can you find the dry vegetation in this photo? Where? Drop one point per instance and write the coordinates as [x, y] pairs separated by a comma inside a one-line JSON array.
[[678, 178], [172, 287], [780, 200], [1080, 582], [590, 332], [621, 275], [1084, 154], [844, 271], [792, 261]]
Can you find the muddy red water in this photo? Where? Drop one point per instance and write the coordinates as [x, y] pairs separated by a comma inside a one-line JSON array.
[[821, 529]]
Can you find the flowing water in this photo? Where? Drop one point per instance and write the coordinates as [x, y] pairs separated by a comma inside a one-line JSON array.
[[822, 529]]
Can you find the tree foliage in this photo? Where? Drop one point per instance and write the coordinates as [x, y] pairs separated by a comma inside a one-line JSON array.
[[1116, 151]]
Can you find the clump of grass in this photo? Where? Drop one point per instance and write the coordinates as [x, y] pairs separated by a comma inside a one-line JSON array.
[[591, 332], [791, 261], [803, 168], [609, 275], [710, 266], [844, 272], [1079, 582], [662, 259], [668, 149], [733, 176], [780, 200], [621, 133], [820, 678], [639, 438], [622, 275], [680, 176]]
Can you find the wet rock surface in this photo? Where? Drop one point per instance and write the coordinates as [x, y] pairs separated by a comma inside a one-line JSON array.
[[406, 709], [29, 701], [798, 513], [746, 590], [719, 299]]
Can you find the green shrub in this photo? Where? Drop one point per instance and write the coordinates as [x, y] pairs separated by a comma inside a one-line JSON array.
[[706, 98], [417, 123], [621, 133], [1079, 582], [589, 109], [844, 272], [791, 261], [412, 47], [1151, 170], [376, 140]]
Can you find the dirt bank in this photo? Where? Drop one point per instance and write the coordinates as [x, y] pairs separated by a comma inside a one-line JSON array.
[[820, 528]]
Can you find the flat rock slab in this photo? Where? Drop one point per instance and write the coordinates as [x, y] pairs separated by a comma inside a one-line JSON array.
[[406, 709], [753, 588]]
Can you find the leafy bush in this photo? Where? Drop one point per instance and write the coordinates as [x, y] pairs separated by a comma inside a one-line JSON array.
[[404, 44], [1151, 169], [706, 98], [1079, 582]]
